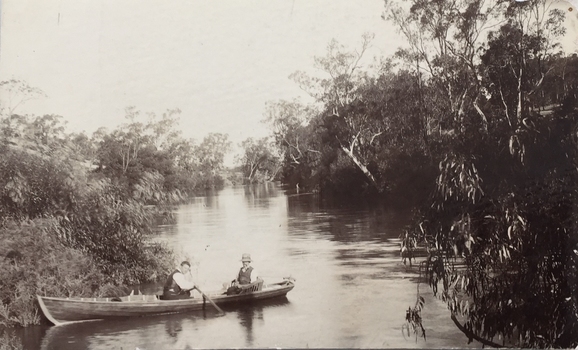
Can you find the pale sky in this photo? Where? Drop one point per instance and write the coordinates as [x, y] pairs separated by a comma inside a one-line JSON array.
[[218, 61]]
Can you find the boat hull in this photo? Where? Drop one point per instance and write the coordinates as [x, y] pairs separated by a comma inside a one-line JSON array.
[[66, 310]]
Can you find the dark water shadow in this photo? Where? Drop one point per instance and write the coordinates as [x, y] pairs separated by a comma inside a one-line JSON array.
[[350, 222], [78, 335], [251, 313], [260, 195]]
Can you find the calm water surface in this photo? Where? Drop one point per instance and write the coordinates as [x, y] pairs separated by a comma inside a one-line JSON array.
[[351, 288]]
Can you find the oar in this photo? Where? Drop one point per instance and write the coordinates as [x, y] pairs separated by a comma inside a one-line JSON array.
[[209, 299]]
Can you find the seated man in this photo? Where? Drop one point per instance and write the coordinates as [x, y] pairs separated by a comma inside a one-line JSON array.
[[177, 286], [247, 274]]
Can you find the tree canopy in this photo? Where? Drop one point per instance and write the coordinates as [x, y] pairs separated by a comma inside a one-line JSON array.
[[474, 120]]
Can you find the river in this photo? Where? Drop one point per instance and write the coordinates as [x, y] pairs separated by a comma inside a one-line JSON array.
[[352, 290]]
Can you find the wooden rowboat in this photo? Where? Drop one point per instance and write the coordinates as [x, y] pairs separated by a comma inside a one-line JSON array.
[[66, 310]]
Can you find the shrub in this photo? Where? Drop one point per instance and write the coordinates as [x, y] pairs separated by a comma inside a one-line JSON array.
[[48, 267], [115, 231]]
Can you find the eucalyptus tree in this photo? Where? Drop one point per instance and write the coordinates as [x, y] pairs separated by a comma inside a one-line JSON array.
[[338, 91], [164, 132], [212, 150], [401, 156], [130, 138], [307, 146], [288, 121], [499, 232], [210, 155], [562, 82], [184, 155], [15, 93], [387, 112], [137, 147], [520, 57], [83, 146], [12, 127], [445, 39], [47, 130], [260, 160]]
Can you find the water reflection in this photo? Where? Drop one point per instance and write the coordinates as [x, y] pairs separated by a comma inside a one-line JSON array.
[[352, 290], [173, 327], [173, 331], [303, 204], [251, 315], [259, 195], [246, 317], [32, 336]]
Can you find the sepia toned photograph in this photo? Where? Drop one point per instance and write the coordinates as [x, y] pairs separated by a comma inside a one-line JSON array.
[[291, 174]]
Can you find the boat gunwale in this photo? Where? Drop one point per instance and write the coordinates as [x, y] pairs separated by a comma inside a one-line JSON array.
[[215, 295], [282, 287]]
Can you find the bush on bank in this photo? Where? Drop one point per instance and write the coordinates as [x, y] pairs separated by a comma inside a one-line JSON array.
[[66, 232], [116, 232], [77, 212], [36, 261]]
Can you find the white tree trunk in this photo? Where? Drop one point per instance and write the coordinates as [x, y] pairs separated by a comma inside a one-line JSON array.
[[360, 165]]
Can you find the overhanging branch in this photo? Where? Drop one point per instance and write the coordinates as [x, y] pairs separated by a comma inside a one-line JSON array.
[[472, 335]]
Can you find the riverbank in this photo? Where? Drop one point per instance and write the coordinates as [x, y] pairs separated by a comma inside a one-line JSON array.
[[355, 296]]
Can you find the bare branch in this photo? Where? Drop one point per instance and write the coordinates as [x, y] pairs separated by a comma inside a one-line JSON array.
[[472, 335]]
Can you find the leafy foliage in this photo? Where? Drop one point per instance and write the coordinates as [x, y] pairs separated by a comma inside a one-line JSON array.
[[499, 231], [137, 149], [413, 320], [77, 213], [43, 265], [473, 113], [260, 162], [116, 232], [364, 133]]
